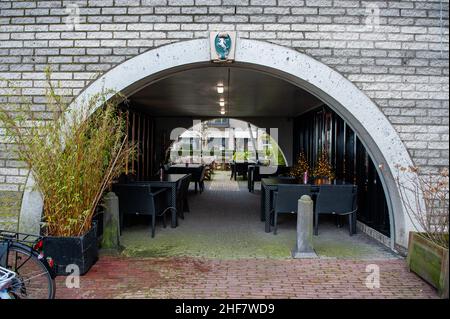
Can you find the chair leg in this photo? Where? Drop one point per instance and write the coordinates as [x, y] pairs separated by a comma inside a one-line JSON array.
[[164, 220], [350, 224], [270, 221], [153, 225], [186, 205], [316, 225], [275, 223], [181, 212], [196, 185], [353, 224], [120, 224], [339, 221]]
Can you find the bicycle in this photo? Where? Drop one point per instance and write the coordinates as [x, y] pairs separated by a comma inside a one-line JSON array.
[[25, 271], [6, 277]]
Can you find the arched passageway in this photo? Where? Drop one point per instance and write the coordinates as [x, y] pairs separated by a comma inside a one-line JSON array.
[[375, 132]]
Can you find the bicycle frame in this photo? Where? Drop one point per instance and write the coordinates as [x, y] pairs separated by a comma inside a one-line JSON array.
[[6, 276], [30, 242]]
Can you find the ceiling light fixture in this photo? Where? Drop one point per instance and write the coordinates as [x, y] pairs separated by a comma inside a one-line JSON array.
[[222, 111], [220, 88], [222, 103]]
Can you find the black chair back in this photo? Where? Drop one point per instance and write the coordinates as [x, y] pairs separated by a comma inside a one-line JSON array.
[[197, 173], [183, 186], [203, 174], [241, 168], [182, 193], [139, 198], [336, 199], [288, 196]]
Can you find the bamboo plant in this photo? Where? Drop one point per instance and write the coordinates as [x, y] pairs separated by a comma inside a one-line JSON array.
[[73, 158]]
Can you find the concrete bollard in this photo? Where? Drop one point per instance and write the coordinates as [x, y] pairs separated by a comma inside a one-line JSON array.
[[111, 235], [304, 246]]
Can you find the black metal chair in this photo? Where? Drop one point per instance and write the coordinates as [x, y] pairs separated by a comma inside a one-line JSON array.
[[256, 172], [239, 169], [209, 171], [250, 175], [182, 196], [233, 170], [201, 182], [141, 199], [337, 200], [196, 177], [286, 200]]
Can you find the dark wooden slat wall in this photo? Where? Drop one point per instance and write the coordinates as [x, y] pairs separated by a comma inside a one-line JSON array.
[[323, 128], [140, 131]]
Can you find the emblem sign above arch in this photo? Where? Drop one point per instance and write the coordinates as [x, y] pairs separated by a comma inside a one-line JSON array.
[[222, 46], [365, 118]]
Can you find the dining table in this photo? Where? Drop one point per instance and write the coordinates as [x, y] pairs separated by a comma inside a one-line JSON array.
[[194, 169], [171, 182], [258, 171], [268, 187]]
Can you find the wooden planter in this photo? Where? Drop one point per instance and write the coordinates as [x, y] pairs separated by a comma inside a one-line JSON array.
[[429, 261]]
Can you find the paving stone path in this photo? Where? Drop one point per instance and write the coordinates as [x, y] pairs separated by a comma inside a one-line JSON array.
[[121, 277]]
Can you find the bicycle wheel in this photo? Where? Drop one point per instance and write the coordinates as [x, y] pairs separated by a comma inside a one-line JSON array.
[[33, 279]]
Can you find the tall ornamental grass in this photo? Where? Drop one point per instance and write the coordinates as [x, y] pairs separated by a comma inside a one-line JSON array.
[[73, 158], [425, 197]]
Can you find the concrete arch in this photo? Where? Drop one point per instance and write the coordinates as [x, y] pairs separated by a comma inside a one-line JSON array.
[[365, 118]]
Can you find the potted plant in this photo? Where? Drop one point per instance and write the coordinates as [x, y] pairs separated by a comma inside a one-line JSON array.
[[323, 171], [73, 159], [301, 169], [425, 198]]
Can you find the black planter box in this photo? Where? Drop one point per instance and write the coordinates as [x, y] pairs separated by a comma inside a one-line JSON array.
[[81, 251]]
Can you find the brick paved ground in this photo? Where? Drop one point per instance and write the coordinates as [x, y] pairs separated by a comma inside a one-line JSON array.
[[121, 277]]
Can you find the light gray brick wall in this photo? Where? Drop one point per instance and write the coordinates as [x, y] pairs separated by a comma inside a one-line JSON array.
[[402, 63]]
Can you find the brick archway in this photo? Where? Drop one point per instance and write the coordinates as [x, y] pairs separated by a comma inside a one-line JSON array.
[[375, 131]]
